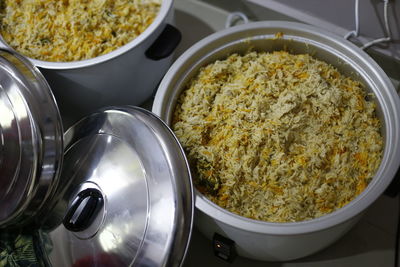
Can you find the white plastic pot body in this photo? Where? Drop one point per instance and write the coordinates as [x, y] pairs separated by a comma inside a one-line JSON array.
[[124, 76], [286, 241], [271, 247]]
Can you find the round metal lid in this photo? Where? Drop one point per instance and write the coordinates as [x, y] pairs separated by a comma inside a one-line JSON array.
[[127, 196], [30, 140]]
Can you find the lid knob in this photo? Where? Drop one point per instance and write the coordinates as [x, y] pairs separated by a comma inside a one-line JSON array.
[[83, 210]]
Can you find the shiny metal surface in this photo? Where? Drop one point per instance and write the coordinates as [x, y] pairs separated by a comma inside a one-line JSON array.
[[135, 161], [286, 241], [30, 141]]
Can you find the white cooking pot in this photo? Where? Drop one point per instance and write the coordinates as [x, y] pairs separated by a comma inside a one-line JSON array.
[[127, 75], [285, 241]]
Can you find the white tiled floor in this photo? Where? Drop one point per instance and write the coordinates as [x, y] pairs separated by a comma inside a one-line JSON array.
[[369, 244]]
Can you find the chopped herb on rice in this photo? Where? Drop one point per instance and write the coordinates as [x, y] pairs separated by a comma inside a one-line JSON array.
[[70, 30]]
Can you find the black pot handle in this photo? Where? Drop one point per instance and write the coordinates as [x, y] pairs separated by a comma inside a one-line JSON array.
[[83, 210], [394, 187], [165, 44]]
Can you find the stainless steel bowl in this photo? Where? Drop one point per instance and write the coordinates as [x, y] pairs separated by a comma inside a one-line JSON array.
[[286, 241]]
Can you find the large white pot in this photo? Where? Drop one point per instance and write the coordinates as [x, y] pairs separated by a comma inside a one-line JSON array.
[[285, 241], [127, 75]]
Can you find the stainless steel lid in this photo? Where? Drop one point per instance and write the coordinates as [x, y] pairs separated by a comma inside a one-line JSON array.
[[126, 194], [30, 141]]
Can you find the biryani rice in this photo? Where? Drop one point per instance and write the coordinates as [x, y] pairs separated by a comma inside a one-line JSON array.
[[278, 137], [70, 30]]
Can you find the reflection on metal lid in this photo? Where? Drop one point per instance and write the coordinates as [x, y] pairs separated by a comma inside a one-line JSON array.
[[30, 141], [132, 159]]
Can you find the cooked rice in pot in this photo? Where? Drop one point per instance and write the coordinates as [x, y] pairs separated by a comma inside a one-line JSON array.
[[278, 137], [70, 30]]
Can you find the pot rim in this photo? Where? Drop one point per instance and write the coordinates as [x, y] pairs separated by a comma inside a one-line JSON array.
[[391, 115], [34, 109], [165, 8]]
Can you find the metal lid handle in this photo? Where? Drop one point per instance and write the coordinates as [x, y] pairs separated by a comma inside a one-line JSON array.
[[83, 210]]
